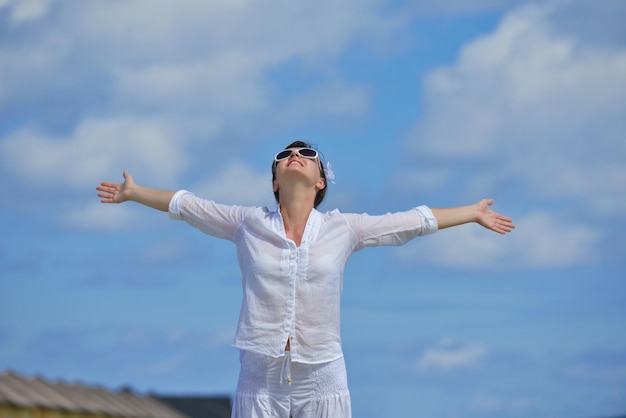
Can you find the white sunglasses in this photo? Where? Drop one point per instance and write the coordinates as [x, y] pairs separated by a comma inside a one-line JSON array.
[[302, 152]]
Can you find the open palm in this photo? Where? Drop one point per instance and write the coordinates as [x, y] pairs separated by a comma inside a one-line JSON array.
[[115, 192], [493, 220]]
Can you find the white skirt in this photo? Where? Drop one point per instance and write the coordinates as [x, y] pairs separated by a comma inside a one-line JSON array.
[[279, 388]]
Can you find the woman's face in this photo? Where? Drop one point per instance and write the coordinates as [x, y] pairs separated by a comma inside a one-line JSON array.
[[298, 162]]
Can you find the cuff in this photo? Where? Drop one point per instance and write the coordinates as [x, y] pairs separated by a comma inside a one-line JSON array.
[[429, 222], [174, 206]]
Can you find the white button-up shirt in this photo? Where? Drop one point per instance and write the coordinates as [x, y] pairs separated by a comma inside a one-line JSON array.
[[289, 291]]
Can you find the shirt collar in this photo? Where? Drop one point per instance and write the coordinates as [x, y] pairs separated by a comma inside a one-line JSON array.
[[311, 229]]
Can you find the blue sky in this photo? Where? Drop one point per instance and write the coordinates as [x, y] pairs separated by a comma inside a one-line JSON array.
[[438, 103]]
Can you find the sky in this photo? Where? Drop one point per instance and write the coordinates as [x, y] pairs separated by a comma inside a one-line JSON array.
[[437, 103]]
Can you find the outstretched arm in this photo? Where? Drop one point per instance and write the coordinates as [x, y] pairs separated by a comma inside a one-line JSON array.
[[480, 213], [129, 190]]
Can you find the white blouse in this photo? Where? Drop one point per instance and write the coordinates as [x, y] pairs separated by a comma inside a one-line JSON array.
[[289, 291]]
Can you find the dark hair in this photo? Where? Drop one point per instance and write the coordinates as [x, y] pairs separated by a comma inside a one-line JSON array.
[[321, 193]]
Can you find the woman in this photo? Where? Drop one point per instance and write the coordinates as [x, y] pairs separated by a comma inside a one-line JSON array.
[[292, 261]]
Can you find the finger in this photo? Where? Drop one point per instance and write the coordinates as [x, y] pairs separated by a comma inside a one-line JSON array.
[[505, 218], [110, 184], [106, 191], [500, 230], [504, 227], [503, 230], [108, 187]]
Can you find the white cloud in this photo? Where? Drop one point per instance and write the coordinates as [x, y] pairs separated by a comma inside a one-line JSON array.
[[224, 83], [421, 178], [96, 216], [546, 108], [482, 402], [331, 99], [95, 149], [142, 79], [164, 366], [25, 10], [240, 184], [460, 6], [598, 365], [213, 55], [448, 356], [540, 240], [218, 337], [544, 240], [609, 373], [163, 252]]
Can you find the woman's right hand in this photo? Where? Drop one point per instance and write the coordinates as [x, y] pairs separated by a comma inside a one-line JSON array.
[[116, 192]]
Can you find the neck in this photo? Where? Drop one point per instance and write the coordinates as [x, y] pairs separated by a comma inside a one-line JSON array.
[[295, 209]]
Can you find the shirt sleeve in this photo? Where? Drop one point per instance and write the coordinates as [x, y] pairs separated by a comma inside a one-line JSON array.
[[212, 218], [392, 228], [429, 222]]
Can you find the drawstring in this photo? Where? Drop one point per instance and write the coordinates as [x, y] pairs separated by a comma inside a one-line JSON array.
[[285, 369]]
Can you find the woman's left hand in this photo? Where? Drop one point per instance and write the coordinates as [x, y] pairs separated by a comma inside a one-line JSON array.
[[491, 219]]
